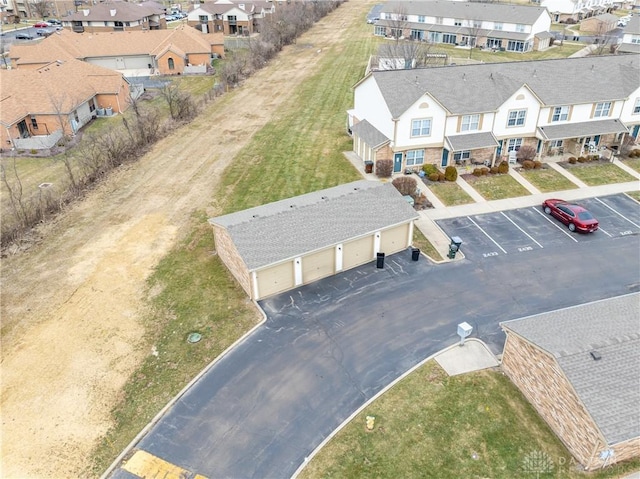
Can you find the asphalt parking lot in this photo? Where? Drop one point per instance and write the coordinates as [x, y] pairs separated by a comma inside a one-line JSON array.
[[523, 230]]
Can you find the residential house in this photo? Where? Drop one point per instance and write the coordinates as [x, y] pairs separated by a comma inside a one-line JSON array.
[[117, 17], [580, 368], [289, 243], [483, 113], [572, 11], [631, 36], [40, 106], [230, 17], [599, 24], [513, 28], [181, 50], [7, 11]]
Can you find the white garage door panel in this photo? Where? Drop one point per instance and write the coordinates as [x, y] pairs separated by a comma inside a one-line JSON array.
[[318, 265], [135, 63], [357, 252], [275, 279], [394, 239]]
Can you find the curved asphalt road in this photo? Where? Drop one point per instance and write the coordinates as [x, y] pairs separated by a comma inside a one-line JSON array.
[[328, 347]]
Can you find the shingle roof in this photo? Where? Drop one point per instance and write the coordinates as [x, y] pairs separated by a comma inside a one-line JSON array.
[[633, 25], [468, 11], [610, 387], [553, 82], [471, 141], [607, 18], [582, 129], [289, 228], [59, 86], [369, 133], [64, 44], [123, 12]]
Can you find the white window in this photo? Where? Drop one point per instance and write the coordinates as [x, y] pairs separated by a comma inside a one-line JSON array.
[[517, 117], [457, 23], [470, 123], [497, 26], [635, 39], [439, 20], [555, 143], [380, 31], [448, 38], [602, 109], [421, 127], [560, 113], [462, 155], [421, 19], [515, 46], [415, 157], [636, 107], [435, 37], [396, 32], [477, 24], [520, 28], [514, 144]]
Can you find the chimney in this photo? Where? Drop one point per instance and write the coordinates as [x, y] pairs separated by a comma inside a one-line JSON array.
[[113, 12], [86, 12]]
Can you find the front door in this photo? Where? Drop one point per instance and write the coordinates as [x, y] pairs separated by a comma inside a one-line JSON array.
[[397, 163], [635, 131], [445, 157]]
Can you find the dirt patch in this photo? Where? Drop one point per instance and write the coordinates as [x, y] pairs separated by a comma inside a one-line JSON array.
[[72, 306]]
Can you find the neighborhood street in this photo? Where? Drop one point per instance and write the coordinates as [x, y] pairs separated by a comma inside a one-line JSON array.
[[328, 347]]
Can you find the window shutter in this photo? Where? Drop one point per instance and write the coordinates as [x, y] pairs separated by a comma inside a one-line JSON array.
[[480, 121], [593, 110], [459, 123]]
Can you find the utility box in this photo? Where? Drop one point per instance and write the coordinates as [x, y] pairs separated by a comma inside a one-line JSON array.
[[368, 166], [454, 247], [380, 260], [464, 330]]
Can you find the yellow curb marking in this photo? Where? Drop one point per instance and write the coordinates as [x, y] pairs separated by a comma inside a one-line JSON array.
[[148, 466]]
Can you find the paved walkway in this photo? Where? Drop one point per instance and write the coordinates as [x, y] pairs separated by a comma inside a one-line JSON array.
[[427, 221]]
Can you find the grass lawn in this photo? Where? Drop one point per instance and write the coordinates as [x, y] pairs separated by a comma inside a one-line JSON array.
[[635, 195], [547, 180], [421, 242], [431, 425], [555, 51], [632, 163], [600, 174], [450, 193], [497, 187]]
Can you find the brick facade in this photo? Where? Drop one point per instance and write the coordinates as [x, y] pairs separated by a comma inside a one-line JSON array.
[[231, 258], [540, 378]]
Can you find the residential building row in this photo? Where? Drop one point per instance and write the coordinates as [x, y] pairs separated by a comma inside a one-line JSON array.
[[182, 50], [514, 28], [576, 10], [224, 16], [631, 36], [484, 113]]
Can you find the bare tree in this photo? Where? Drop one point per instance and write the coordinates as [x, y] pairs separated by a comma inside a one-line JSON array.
[[406, 54], [602, 41], [41, 7], [473, 29], [14, 189], [397, 21], [181, 104]]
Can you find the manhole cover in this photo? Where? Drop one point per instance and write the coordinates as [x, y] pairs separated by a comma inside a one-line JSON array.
[[194, 337]]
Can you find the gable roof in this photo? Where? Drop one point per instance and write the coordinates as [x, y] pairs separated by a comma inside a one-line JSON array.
[[609, 388], [285, 229], [57, 87], [64, 44], [522, 14], [633, 25], [122, 12], [552, 81], [373, 137]]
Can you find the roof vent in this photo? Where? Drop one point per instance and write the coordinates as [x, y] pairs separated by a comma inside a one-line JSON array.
[[323, 197], [112, 12], [86, 12], [491, 76], [292, 206], [534, 73], [464, 77], [593, 67], [596, 355]]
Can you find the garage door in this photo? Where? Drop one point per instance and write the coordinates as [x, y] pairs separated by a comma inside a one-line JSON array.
[[357, 252], [275, 279], [394, 239], [318, 265]]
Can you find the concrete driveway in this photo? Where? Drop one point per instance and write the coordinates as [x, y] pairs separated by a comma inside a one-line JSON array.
[[327, 348]]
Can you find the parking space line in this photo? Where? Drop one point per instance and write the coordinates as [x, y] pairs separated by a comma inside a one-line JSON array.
[[485, 233], [610, 236], [523, 231], [616, 212], [552, 222]]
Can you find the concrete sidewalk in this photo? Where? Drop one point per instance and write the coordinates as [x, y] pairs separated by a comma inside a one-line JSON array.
[[474, 355]]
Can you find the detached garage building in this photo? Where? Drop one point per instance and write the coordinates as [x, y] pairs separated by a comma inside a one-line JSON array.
[[282, 245]]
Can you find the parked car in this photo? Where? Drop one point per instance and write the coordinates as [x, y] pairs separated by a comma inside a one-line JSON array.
[[23, 36], [42, 25], [576, 217], [43, 32], [53, 21], [170, 18]]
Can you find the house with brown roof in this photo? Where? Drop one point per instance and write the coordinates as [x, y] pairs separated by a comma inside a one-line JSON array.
[[134, 53], [580, 368], [41, 105], [235, 17], [117, 17]]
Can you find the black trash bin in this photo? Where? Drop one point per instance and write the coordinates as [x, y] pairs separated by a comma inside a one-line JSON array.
[[380, 261], [368, 166], [415, 254]]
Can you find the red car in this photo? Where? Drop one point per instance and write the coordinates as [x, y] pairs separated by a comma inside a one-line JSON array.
[[41, 25], [574, 216]]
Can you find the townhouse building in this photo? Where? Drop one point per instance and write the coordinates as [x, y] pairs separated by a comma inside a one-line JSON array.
[[484, 113], [513, 28], [572, 11], [631, 36], [230, 17], [117, 17]]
